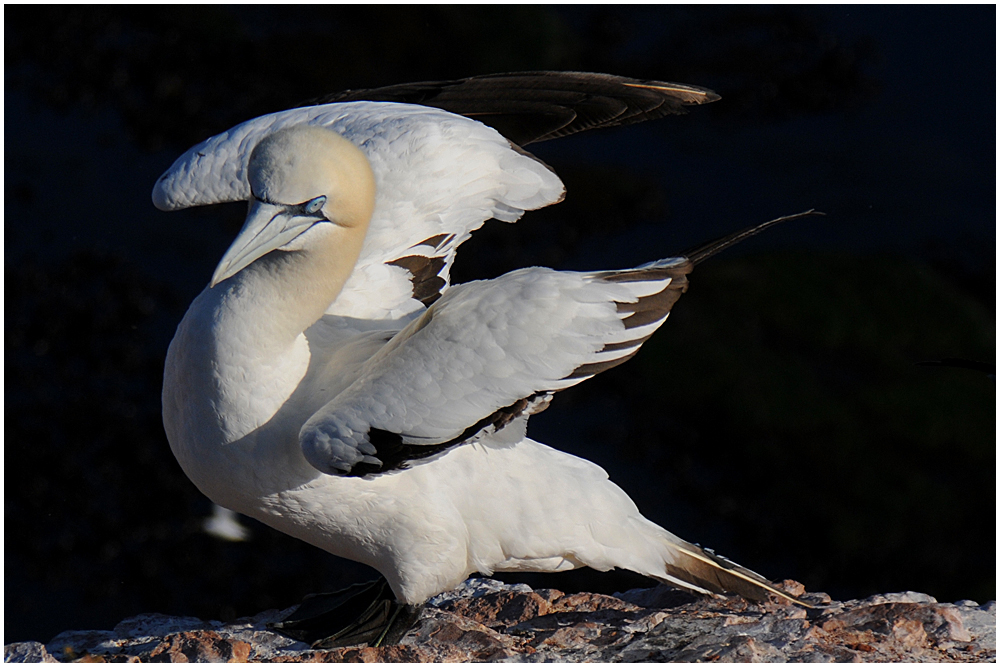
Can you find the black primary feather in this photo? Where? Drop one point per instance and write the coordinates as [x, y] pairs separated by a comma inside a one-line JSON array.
[[527, 107]]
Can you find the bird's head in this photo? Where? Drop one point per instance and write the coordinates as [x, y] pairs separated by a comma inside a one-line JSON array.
[[301, 177]]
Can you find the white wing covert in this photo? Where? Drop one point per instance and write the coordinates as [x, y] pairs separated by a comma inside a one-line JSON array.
[[438, 178], [486, 354]]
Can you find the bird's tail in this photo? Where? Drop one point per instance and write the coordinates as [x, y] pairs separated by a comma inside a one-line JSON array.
[[695, 568]]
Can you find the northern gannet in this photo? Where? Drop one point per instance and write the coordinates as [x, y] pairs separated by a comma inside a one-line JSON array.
[[331, 383]]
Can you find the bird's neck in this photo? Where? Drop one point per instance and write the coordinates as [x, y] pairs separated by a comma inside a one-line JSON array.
[[284, 293]]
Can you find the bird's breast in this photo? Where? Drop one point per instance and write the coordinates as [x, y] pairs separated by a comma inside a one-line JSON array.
[[227, 406]]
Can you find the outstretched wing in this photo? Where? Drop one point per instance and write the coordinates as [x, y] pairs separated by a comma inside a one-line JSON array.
[[527, 107], [439, 176], [486, 354]]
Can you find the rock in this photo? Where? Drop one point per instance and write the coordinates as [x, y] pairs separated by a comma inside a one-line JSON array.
[[147, 625], [199, 646], [478, 587], [504, 608], [487, 621], [74, 643], [27, 652]]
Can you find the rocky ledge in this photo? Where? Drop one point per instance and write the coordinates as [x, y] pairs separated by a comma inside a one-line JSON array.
[[486, 620]]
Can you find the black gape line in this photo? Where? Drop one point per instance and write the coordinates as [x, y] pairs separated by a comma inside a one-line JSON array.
[[331, 620], [307, 209]]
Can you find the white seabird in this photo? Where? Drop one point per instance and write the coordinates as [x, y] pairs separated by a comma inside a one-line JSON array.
[[331, 383]]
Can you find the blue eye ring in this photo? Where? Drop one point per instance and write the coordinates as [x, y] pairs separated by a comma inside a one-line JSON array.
[[314, 206]]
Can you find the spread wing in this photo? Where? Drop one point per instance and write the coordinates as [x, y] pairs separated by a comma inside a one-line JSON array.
[[527, 107], [439, 176], [485, 355]]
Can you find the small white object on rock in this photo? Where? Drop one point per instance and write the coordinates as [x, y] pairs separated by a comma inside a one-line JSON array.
[[225, 525]]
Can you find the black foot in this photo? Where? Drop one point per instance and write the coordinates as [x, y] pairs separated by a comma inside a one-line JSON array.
[[360, 614]]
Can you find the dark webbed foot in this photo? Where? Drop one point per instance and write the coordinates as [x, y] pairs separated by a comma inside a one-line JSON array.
[[360, 614]]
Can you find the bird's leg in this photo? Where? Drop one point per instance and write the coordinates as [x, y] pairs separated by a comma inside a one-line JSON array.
[[402, 618], [329, 620]]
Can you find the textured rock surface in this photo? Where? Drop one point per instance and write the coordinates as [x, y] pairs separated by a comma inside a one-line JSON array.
[[485, 620]]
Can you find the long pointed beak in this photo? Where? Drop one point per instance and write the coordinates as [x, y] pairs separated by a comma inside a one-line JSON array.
[[267, 227]]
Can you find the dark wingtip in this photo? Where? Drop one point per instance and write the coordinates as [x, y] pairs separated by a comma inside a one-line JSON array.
[[527, 107], [701, 253], [684, 93]]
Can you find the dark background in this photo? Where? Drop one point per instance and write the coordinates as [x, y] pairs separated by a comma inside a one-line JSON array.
[[778, 417]]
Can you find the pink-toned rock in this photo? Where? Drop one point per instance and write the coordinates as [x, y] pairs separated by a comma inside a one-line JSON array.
[[550, 595], [792, 587], [199, 646], [488, 621], [505, 608], [451, 637], [951, 626], [909, 632], [384, 654], [592, 602]]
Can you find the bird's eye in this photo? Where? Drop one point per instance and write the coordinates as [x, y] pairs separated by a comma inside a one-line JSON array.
[[314, 206]]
